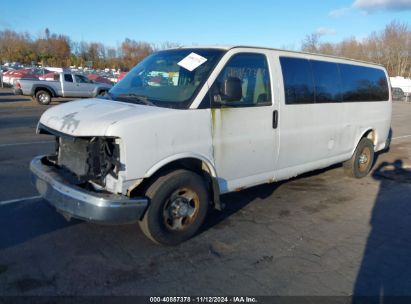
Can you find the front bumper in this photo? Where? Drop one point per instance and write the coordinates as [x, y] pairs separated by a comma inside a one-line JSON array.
[[74, 201]]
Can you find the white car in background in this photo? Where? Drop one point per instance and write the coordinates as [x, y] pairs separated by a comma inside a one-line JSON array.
[[403, 83]]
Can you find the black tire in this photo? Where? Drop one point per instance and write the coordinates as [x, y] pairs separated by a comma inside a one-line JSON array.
[[362, 160], [43, 97], [179, 204], [102, 92]]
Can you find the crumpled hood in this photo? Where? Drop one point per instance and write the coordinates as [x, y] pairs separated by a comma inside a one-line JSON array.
[[92, 117]]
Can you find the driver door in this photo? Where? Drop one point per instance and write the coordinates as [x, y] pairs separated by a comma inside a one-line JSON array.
[[242, 122], [84, 86]]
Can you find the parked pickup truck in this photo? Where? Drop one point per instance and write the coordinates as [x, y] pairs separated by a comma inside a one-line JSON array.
[[65, 84]]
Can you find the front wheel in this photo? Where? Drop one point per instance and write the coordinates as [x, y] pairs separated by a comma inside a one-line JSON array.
[[102, 93], [362, 160], [43, 97], [178, 207]]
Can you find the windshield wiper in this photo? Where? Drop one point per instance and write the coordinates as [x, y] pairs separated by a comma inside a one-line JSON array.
[[136, 98]]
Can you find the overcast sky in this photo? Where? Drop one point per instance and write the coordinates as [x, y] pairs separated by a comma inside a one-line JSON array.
[[255, 22]]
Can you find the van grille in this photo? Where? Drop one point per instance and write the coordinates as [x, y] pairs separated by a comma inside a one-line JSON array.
[[73, 155], [89, 159]]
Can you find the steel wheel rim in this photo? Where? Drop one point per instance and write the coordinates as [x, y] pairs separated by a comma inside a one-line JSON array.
[[181, 209], [364, 159], [44, 97]]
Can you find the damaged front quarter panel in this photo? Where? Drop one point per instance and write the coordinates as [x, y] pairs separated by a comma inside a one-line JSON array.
[[87, 158], [104, 158], [90, 159]]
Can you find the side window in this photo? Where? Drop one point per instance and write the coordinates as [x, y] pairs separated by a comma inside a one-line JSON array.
[[363, 83], [243, 82], [68, 78], [327, 81], [81, 79], [56, 77], [298, 80]]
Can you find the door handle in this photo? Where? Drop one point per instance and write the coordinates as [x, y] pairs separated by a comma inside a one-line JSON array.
[[275, 119]]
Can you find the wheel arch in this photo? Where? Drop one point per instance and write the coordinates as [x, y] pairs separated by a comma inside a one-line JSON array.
[[369, 133], [192, 162], [183, 158], [98, 90], [44, 88]]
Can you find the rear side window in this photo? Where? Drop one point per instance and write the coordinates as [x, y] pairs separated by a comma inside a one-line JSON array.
[[81, 79], [363, 83], [327, 81], [298, 80], [314, 81], [68, 78]]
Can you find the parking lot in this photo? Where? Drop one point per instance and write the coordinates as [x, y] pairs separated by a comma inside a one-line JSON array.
[[319, 234]]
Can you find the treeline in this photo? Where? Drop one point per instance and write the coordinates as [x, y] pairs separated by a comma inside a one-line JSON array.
[[58, 50], [390, 47]]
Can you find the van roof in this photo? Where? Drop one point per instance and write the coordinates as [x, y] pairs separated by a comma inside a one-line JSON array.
[[229, 47]]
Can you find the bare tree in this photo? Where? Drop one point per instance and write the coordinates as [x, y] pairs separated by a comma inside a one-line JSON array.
[[396, 51], [390, 47], [311, 43], [134, 51]]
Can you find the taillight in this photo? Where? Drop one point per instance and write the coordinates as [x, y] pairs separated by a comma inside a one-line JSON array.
[[18, 85]]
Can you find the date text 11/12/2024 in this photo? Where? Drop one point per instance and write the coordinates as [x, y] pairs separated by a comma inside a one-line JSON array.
[[239, 299]]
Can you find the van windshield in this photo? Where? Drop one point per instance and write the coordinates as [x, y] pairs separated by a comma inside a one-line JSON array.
[[169, 78]]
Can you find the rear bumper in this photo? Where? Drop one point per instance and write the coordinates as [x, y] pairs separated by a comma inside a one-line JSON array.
[[80, 203]]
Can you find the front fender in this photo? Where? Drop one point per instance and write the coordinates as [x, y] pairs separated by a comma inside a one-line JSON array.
[[215, 188], [97, 89], [179, 156]]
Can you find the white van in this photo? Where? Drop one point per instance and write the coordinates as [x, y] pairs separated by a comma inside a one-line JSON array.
[[186, 125]]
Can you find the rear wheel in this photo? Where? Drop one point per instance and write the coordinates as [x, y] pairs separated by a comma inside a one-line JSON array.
[[362, 160], [178, 207], [43, 97]]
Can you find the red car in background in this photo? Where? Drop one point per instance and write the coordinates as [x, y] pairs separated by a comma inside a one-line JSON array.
[[49, 76], [121, 76], [10, 77], [99, 79]]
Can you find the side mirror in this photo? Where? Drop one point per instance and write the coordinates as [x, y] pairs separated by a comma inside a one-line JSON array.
[[231, 90]]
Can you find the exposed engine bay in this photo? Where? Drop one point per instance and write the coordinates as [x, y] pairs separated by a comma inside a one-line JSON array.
[[86, 158]]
